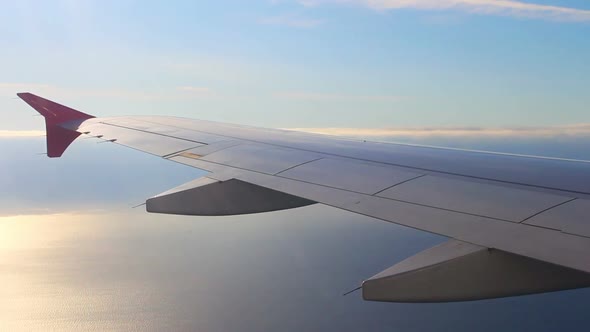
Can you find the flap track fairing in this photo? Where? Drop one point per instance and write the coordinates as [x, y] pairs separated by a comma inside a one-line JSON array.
[[209, 197], [459, 271]]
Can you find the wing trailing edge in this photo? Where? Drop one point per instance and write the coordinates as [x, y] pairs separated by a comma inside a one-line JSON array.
[[56, 115]]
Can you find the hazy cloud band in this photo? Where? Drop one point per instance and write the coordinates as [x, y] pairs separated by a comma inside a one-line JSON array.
[[548, 131], [482, 7]]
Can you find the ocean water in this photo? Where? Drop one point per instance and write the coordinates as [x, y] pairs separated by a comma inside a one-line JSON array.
[[74, 255]]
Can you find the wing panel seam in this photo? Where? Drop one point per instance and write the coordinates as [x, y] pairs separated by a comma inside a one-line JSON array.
[[301, 164], [360, 193], [390, 164], [547, 209], [397, 184]]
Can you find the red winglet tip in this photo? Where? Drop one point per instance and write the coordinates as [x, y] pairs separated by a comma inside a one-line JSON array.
[[58, 137], [53, 112]]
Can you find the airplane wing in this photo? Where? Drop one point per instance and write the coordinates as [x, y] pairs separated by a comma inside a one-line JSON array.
[[516, 224]]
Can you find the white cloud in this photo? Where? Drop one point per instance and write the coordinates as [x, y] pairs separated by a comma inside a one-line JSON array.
[[21, 133], [483, 7], [547, 131]]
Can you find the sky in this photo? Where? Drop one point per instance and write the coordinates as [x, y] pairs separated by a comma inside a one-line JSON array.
[[307, 63], [508, 76]]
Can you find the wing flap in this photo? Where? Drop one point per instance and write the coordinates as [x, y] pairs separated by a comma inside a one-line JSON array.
[[475, 197], [205, 150], [572, 217], [358, 176], [261, 158]]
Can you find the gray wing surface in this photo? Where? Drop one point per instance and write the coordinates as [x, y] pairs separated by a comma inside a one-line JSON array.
[[517, 224]]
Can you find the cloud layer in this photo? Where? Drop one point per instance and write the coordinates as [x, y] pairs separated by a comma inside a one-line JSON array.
[[536, 132], [548, 131], [21, 133], [482, 7]]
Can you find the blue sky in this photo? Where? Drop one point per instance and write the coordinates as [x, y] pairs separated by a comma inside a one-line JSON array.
[[316, 63], [75, 256]]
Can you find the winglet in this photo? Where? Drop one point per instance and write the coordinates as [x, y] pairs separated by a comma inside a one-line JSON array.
[[58, 137]]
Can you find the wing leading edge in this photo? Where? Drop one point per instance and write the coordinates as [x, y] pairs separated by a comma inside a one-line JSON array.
[[515, 227]]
